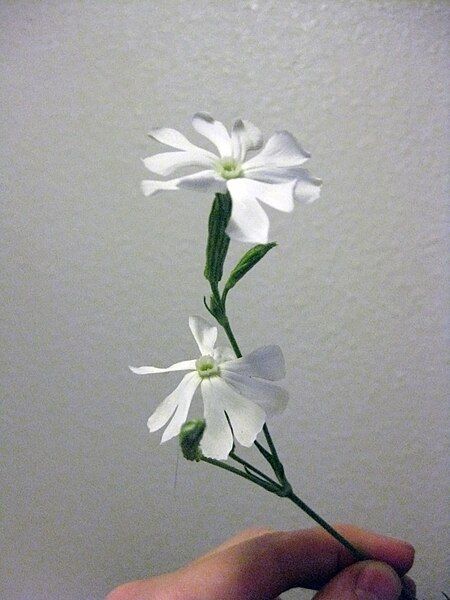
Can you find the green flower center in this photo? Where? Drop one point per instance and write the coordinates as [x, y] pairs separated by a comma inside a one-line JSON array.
[[228, 168], [206, 366]]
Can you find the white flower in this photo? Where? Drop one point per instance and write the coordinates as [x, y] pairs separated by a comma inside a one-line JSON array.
[[273, 176], [236, 391]]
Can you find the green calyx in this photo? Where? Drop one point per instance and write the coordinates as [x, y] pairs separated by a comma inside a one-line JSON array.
[[190, 437], [218, 240]]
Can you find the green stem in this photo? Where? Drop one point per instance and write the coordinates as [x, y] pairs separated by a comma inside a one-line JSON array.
[[277, 489], [265, 453], [218, 463], [284, 489], [246, 464], [271, 444], [277, 466], [358, 555], [230, 335]]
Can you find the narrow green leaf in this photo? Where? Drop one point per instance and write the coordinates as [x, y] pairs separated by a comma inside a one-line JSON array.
[[247, 262], [218, 240]]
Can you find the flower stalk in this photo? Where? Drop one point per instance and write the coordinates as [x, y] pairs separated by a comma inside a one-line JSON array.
[[281, 487], [217, 248]]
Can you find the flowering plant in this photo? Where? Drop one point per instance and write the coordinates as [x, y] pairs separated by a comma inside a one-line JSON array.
[[238, 392]]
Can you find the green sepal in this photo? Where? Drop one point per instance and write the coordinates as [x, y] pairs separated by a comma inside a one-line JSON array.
[[218, 240], [247, 262]]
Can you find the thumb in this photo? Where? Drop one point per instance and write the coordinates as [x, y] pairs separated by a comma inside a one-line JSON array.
[[366, 580]]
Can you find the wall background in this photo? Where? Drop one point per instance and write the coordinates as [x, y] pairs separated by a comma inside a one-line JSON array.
[[96, 277]]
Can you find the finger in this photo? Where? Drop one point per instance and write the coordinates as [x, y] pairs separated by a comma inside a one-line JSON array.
[[398, 553], [269, 564], [146, 589], [240, 537], [366, 580], [410, 585]]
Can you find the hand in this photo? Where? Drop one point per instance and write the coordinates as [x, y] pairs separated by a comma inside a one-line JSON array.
[[260, 564]]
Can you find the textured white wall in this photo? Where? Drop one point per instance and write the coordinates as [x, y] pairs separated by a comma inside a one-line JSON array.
[[96, 277]]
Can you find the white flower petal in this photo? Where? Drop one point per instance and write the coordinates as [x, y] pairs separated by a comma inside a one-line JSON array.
[[272, 398], [172, 137], [214, 131], [217, 440], [271, 174], [277, 195], [168, 162], [184, 393], [246, 417], [266, 362], [244, 137], [248, 221], [281, 150], [307, 189], [150, 187], [205, 334], [165, 410], [203, 180], [223, 354], [162, 414], [185, 365]]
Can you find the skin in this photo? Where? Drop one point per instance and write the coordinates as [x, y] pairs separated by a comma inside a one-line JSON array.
[[260, 564]]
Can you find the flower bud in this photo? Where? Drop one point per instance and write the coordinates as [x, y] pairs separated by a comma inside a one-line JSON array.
[[190, 436], [218, 240]]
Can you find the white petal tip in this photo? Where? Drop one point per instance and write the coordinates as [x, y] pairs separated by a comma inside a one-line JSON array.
[[260, 240], [147, 163], [153, 426], [168, 435], [146, 370], [249, 443], [139, 370], [238, 235], [307, 190], [148, 187], [206, 116]]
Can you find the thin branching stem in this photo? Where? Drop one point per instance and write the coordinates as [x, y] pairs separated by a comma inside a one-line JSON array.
[[222, 465], [251, 473], [251, 467]]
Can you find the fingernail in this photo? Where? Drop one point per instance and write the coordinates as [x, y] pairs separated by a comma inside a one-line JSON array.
[[377, 581]]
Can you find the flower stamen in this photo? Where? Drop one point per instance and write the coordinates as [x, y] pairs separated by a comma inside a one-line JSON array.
[[229, 168], [206, 366]]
